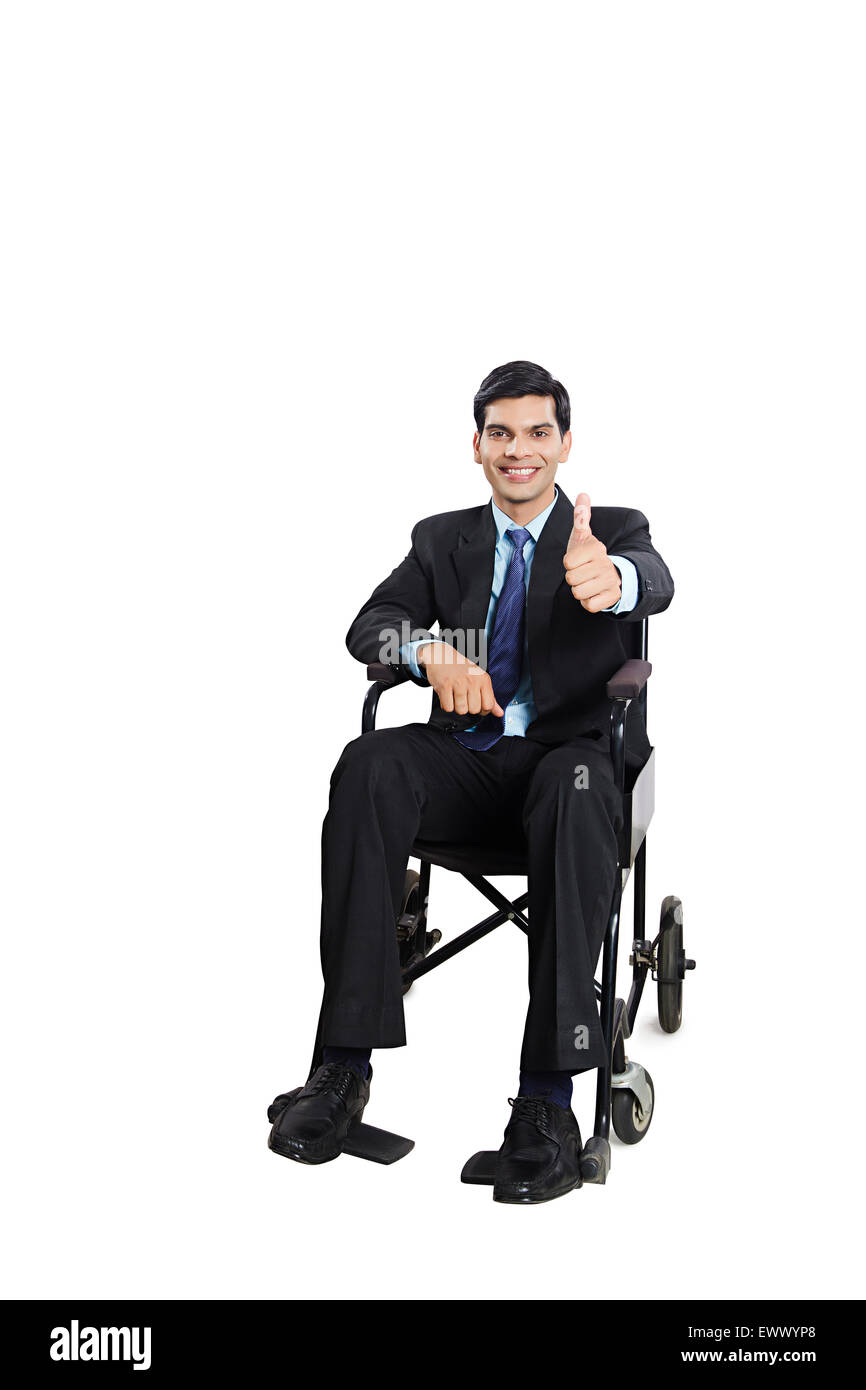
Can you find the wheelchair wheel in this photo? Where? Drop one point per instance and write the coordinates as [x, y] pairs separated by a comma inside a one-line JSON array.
[[671, 965], [630, 1120], [410, 919]]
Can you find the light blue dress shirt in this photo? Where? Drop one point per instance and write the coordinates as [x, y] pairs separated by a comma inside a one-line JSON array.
[[521, 711]]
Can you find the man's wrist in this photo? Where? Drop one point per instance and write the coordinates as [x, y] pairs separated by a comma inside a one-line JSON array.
[[422, 650], [409, 653]]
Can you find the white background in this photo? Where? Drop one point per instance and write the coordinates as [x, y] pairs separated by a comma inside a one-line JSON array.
[[258, 259]]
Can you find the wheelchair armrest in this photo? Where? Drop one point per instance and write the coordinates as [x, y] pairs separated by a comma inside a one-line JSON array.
[[629, 680], [386, 675]]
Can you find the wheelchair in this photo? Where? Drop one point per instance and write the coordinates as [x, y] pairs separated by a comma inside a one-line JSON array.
[[625, 1094]]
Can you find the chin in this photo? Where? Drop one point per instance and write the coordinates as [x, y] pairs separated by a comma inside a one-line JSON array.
[[518, 491]]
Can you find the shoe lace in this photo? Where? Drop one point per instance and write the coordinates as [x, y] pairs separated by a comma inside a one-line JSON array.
[[534, 1109], [331, 1076]]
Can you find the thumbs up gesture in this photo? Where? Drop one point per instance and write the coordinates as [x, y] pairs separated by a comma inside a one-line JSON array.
[[592, 577]]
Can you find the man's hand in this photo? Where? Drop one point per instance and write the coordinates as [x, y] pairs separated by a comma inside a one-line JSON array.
[[592, 577], [462, 687]]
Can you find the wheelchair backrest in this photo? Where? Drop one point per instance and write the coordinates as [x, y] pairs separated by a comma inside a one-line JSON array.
[[636, 640]]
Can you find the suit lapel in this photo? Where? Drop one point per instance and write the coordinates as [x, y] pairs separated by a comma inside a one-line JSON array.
[[548, 572], [473, 559]]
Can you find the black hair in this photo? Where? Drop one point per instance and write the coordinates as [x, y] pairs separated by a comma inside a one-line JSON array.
[[521, 379]]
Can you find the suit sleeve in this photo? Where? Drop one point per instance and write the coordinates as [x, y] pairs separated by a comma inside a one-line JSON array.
[[399, 611], [655, 584]]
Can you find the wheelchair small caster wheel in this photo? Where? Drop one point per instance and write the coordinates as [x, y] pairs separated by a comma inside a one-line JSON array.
[[671, 965], [630, 1119]]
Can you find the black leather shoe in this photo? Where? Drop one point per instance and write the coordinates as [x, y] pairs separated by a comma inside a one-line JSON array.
[[310, 1124], [540, 1158]]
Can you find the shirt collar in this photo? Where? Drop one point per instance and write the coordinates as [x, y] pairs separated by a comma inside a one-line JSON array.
[[534, 527]]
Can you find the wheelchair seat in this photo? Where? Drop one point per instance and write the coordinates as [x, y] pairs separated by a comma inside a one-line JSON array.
[[511, 858], [475, 859]]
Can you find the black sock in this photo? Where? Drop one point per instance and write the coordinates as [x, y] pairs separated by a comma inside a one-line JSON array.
[[556, 1084], [357, 1057]]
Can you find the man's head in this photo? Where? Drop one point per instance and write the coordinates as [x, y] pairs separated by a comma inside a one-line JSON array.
[[523, 419]]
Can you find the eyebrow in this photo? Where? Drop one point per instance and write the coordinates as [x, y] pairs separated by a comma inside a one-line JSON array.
[[545, 425]]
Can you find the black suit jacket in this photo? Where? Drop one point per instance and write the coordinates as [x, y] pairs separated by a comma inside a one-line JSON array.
[[448, 575]]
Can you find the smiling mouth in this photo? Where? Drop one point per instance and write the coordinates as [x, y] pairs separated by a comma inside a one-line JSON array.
[[519, 475]]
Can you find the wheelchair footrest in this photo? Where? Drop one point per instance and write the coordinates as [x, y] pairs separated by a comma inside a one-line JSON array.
[[594, 1164], [480, 1168], [377, 1145], [362, 1141], [595, 1160]]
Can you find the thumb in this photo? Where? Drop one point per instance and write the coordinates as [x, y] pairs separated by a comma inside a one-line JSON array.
[[582, 512]]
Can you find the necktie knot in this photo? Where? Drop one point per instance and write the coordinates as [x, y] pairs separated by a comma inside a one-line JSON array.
[[518, 535]]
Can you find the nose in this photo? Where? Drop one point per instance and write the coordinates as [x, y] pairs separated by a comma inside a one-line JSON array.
[[516, 450]]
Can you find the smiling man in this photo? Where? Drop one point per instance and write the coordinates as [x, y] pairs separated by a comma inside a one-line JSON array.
[[545, 586]]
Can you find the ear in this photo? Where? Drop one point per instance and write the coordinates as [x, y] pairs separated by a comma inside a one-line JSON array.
[[566, 446], [476, 440]]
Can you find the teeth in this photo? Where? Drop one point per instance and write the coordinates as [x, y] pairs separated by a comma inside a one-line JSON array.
[[519, 472]]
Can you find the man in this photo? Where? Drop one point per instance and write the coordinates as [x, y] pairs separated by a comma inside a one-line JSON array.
[[539, 588]]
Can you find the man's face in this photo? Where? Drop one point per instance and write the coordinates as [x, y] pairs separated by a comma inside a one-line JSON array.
[[520, 449]]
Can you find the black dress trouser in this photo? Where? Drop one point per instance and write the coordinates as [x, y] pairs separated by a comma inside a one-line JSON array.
[[391, 786]]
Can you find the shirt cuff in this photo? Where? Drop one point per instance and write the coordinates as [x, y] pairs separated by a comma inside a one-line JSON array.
[[628, 575], [408, 654]]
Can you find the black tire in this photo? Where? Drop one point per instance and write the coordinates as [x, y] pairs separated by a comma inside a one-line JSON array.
[[671, 971], [411, 900], [410, 905], [630, 1123]]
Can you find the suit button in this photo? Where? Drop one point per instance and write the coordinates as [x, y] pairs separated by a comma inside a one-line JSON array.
[[648, 584]]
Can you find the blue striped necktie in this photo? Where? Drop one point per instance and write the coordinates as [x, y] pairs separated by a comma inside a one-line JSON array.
[[506, 647]]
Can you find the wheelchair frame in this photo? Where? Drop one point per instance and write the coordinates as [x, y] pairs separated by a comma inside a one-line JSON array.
[[620, 1076]]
